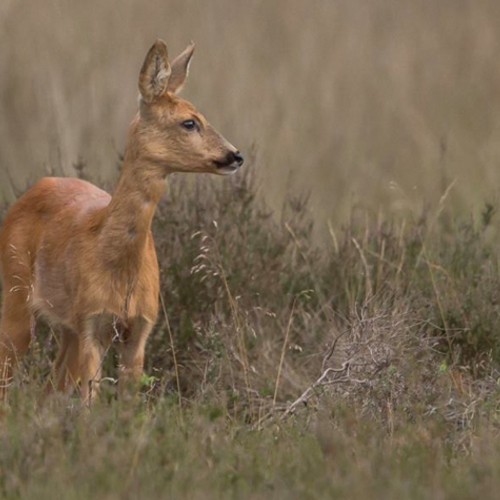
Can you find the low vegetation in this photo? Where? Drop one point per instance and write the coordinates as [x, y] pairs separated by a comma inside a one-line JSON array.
[[365, 366]]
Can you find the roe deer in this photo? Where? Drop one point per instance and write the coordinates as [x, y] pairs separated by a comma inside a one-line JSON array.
[[85, 260]]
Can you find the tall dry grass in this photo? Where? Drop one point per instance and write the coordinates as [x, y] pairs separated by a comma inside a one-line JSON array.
[[381, 104]]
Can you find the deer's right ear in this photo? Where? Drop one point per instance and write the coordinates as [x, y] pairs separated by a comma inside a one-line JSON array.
[[155, 72]]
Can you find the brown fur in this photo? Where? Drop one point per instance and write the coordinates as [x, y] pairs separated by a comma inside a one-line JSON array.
[[86, 260]]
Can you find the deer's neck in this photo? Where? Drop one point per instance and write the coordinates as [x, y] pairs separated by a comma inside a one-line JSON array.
[[126, 224]]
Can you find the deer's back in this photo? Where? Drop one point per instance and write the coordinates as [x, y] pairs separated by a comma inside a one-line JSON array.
[[52, 201], [59, 208]]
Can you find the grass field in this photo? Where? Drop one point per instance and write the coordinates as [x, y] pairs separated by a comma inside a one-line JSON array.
[[329, 324], [368, 369]]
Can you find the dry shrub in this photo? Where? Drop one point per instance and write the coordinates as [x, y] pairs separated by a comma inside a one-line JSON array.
[[396, 318], [288, 356], [256, 306]]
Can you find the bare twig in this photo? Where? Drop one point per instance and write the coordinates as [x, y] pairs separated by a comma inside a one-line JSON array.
[[283, 351], [330, 351], [309, 392], [368, 284]]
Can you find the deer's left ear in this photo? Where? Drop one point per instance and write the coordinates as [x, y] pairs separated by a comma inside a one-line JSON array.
[[155, 72], [180, 69]]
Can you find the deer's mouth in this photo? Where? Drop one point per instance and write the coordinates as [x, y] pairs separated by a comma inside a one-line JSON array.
[[226, 168]]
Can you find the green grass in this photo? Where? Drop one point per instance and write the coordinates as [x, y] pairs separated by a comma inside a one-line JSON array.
[[389, 330], [126, 450]]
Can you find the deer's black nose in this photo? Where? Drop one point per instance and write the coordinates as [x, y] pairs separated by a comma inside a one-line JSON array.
[[238, 158]]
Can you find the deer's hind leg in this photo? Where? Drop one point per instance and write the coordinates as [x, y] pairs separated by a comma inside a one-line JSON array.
[[16, 325], [66, 366]]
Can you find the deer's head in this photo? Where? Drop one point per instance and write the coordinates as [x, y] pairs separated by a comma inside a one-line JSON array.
[[172, 134]]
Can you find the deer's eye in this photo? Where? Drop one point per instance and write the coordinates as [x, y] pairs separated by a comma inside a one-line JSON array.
[[189, 124]]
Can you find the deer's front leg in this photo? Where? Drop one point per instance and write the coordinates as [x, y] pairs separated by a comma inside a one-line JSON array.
[[131, 351]]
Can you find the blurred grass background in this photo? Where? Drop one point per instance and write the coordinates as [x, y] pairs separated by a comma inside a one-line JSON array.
[[377, 104]]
